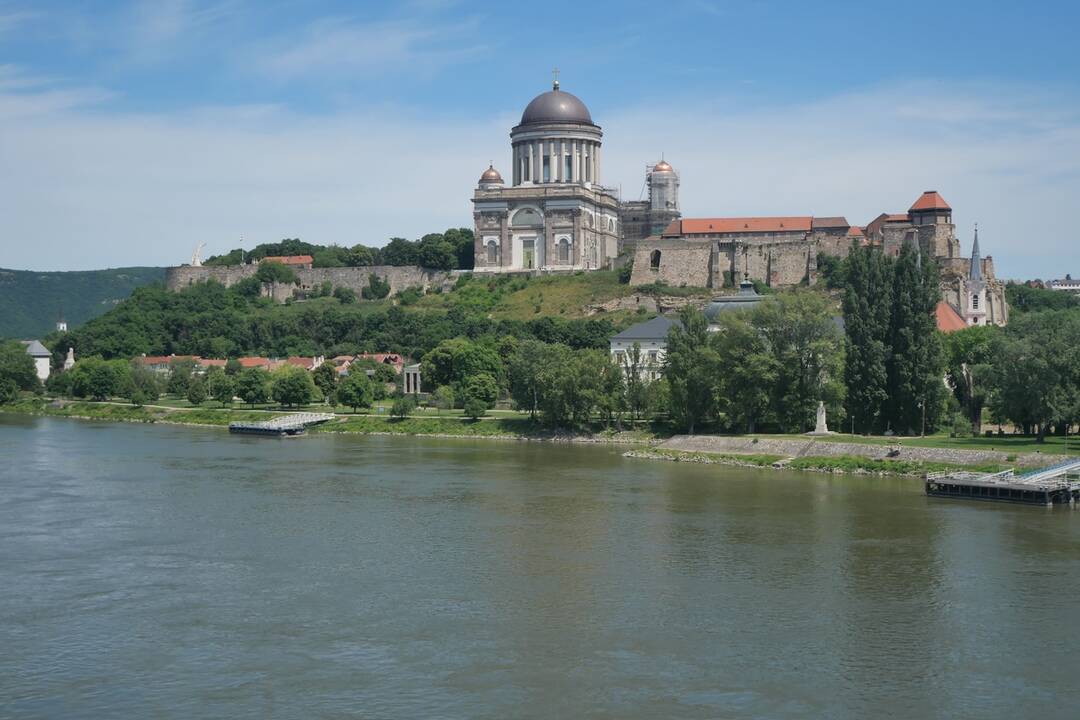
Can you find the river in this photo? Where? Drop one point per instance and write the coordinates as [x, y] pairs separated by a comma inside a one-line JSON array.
[[178, 572]]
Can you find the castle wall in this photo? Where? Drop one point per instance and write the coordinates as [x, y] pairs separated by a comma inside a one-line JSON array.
[[720, 263], [354, 278]]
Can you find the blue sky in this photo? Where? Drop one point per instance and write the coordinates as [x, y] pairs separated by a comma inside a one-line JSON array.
[[129, 131]]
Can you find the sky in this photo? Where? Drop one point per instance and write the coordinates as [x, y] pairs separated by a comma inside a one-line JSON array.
[[131, 131]]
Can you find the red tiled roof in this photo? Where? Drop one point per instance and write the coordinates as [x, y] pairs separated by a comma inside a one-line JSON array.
[[164, 359], [706, 226], [930, 200], [948, 320], [303, 362], [897, 217], [855, 231], [831, 222], [290, 259], [250, 362], [211, 362]]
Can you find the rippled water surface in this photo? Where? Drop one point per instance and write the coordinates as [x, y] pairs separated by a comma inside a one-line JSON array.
[[152, 571]]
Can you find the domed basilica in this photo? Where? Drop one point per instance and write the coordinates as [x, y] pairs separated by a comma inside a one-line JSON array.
[[556, 214]]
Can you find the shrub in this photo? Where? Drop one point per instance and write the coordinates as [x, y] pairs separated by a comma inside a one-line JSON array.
[[376, 289]]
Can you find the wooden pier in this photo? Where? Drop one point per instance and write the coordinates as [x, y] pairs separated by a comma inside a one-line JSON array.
[[1053, 485], [281, 426]]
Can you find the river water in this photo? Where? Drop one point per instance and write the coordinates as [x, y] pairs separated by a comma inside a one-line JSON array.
[[175, 572]]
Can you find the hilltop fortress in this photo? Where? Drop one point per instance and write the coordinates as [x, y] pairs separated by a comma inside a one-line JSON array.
[[557, 216]]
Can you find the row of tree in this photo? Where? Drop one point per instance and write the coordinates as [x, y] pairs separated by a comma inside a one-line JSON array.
[[210, 320], [448, 250], [895, 364]]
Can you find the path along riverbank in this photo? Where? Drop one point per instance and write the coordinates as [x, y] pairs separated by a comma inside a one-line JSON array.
[[792, 453]]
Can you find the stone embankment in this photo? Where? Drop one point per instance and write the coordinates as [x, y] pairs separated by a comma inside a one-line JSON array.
[[796, 448]]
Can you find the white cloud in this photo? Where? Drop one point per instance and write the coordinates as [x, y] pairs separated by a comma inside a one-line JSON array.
[[340, 45], [83, 188]]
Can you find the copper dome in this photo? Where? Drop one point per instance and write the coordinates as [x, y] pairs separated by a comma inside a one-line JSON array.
[[662, 166], [491, 175]]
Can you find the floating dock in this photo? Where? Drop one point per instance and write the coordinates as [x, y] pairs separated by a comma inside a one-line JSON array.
[[291, 424], [1054, 485]]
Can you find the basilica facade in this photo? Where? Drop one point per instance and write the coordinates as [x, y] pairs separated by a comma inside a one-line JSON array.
[[556, 214]]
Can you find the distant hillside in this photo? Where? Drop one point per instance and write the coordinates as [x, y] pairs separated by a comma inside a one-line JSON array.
[[31, 301]]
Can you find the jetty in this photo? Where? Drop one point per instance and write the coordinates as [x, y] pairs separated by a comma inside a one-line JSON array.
[[291, 424], [1054, 485]]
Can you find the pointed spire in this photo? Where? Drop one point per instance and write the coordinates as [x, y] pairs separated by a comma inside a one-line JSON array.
[[975, 273]]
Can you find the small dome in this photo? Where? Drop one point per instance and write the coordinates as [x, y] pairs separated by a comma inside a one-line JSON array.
[[491, 175], [556, 106], [662, 166]]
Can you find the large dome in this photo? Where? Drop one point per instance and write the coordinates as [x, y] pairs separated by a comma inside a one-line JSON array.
[[556, 106]]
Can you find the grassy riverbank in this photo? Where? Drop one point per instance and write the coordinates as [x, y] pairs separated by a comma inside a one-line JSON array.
[[835, 464], [508, 425]]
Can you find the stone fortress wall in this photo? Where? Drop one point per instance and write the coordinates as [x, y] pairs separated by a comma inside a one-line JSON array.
[[354, 278], [722, 263]]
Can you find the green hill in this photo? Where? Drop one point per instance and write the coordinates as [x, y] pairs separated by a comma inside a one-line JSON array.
[[31, 302]]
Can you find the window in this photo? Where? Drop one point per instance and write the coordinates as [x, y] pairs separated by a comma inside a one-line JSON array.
[[588, 168], [525, 175], [654, 260], [492, 253], [564, 251], [547, 168], [974, 302], [568, 168]]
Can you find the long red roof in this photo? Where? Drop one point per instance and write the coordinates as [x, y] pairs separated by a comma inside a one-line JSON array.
[[707, 226]]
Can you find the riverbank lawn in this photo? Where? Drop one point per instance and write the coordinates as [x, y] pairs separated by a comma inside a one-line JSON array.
[[1012, 444]]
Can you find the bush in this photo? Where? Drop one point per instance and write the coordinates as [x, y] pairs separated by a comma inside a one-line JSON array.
[[475, 408], [376, 289], [626, 271], [403, 405], [346, 296]]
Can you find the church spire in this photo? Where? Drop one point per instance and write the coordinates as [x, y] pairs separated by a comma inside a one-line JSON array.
[[975, 273]]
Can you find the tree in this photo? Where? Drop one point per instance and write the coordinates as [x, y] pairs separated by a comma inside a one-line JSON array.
[[292, 385], [436, 253], [222, 386], [275, 272], [196, 391], [969, 353], [95, 378], [403, 405], [400, 251], [915, 363], [180, 374], [691, 369], [253, 386], [482, 387], [233, 367], [138, 383], [636, 387], [453, 362], [17, 367], [356, 390], [749, 376], [526, 373], [806, 358], [326, 379], [9, 390], [867, 302], [474, 408], [376, 289], [346, 296], [1035, 371], [443, 398]]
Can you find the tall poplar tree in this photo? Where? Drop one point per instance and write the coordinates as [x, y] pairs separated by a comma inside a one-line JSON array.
[[915, 362], [868, 300]]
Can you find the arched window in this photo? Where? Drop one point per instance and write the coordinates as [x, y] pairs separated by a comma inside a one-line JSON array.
[[975, 302], [492, 253], [564, 251], [611, 225], [654, 260]]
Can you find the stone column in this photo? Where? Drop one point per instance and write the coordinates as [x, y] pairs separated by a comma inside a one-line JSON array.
[[562, 150], [506, 256], [575, 246], [596, 165], [573, 161], [538, 172], [515, 170]]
